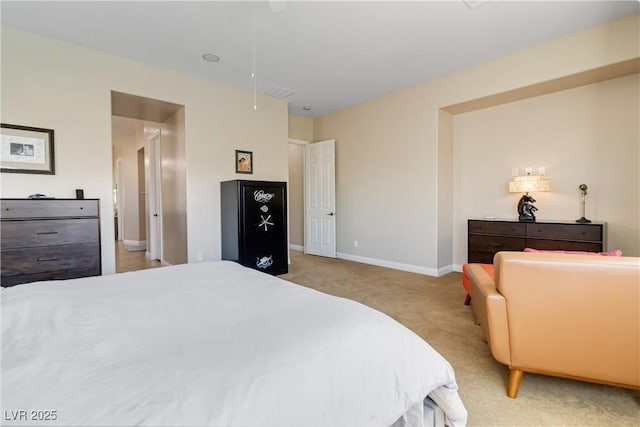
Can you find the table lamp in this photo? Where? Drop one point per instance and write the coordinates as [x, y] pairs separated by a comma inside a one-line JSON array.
[[525, 184]]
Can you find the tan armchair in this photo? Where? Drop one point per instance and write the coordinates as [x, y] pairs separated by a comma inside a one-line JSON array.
[[573, 316]]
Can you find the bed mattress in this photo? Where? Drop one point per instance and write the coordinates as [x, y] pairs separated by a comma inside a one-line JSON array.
[[211, 344]]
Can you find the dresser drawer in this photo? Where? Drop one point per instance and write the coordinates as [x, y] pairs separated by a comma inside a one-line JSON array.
[[496, 227], [564, 245], [493, 244], [592, 233], [48, 208], [24, 234], [50, 259]]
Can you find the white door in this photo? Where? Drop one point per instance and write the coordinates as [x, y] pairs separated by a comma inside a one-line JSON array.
[[154, 197], [320, 199]]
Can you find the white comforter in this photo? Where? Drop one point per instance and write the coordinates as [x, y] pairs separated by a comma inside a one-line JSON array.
[[210, 344]]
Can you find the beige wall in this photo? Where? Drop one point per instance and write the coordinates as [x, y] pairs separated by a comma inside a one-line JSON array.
[[445, 191], [72, 95], [301, 129], [174, 203], [393, 164], [296, 195], [585, 135]]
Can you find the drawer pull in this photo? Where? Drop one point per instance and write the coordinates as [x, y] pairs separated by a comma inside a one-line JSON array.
[[497, 245], [48, 258], [46, 232]]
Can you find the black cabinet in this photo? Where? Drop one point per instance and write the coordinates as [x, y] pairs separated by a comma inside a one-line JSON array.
[[254, 224]]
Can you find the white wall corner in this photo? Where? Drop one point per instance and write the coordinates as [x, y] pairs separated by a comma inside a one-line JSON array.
[[445, 270], [296, 248]]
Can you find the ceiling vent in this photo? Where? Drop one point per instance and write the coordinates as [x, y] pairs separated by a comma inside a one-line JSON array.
[[278, 92]]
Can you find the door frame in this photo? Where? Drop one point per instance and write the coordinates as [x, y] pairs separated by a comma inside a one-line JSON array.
[[302, 143], [153, 182], [120, 197]]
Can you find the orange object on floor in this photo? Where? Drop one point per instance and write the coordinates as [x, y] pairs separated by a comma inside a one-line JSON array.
[[465, 279]]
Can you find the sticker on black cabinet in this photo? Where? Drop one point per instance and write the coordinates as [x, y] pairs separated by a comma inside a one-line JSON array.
[[261, 197], [264, 262], [265, 222]]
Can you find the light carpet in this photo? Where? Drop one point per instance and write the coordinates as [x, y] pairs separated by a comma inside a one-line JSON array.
[[433, 308]]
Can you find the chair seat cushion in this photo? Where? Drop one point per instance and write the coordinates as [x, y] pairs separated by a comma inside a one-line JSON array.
[[465, 278]]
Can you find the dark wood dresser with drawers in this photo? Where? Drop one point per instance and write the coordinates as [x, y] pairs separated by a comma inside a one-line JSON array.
[[486, 237], [48, 239]]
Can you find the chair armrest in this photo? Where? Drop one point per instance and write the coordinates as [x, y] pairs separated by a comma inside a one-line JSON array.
[[490, 309]]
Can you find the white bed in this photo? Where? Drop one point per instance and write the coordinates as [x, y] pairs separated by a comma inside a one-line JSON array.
[[212, 344]]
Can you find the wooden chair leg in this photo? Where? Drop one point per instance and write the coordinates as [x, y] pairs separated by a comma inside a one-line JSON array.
[[515, 377], [467, 300]]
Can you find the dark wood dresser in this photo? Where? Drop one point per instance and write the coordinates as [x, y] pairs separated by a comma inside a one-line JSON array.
[[48, 239], [488, 236]]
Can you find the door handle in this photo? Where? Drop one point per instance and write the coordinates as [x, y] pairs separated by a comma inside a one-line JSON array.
[[155, 214], [330, 214]]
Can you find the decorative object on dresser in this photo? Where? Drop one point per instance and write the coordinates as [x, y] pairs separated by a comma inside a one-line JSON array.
[[487, 237], [525, 184], [49, 239], [583, 188], [25, 149], [254, 224]]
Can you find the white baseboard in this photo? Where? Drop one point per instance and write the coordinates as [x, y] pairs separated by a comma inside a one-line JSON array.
[[392, 264], [445, 270], [135, 245], [389, 264], [165, 263]]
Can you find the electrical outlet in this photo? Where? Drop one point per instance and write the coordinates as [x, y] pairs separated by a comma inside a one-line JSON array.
[[514, 171], [199, 256], [355, 243], [542, 170]]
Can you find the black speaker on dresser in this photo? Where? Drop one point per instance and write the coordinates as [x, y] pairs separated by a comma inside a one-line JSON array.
[[254, 224]]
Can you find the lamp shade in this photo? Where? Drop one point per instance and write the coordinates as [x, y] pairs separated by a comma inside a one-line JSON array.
[[528, 183]]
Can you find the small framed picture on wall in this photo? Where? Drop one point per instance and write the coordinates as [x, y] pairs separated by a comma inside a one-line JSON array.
[[244, 161]]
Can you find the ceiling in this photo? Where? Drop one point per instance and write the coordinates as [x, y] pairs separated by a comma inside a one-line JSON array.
[[330, 54]]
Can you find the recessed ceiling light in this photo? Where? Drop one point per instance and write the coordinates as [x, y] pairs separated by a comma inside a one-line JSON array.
[[306, 107], [210, 57]]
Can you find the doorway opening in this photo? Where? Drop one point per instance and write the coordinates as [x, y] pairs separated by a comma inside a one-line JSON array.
[[149, 200], [312, 201]]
